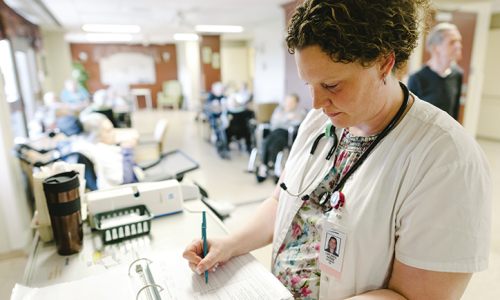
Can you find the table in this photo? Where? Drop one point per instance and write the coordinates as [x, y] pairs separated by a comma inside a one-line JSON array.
[[45, 267], [123, 134], [142, 92]]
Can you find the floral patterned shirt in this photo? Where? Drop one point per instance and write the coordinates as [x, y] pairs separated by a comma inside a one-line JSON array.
[[296, 264]]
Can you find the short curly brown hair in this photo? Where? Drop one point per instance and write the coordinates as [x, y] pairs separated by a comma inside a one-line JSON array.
[[360, 30]]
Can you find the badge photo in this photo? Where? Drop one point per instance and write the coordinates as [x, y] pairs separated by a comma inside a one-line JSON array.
[[332, 244]]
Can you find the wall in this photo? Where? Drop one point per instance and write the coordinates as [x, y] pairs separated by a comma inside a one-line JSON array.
[[476, 77], [15, 233], [188, 65], [164, 70], [56, 61], [235, 63], [489, 122], [209, 74], [269, 80], [293, 83]]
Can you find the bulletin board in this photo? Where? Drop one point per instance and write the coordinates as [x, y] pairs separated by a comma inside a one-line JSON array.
[[127, 68]]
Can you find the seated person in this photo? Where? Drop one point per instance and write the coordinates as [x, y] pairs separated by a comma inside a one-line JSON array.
[[99, 104], [113, 164], [69, 125], [282, 118], [213, 106], [118, 103], [44, 119], [76, 97], [238, 117], [243, 95], [233, 105]]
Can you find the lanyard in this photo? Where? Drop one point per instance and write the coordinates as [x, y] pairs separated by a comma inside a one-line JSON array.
[[358, 163]]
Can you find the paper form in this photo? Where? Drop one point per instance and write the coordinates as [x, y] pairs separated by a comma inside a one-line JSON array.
[[53, 268], [243, 277], [115, 284]]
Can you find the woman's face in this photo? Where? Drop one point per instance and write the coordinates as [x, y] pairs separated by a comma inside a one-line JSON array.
[[107, 132], [333, 244], [290, 103], [347, 93]]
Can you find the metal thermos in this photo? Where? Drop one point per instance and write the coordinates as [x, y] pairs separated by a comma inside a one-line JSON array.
[[63, 202]]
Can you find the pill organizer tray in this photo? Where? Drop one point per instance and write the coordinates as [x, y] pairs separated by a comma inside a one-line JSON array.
[[123, 231]]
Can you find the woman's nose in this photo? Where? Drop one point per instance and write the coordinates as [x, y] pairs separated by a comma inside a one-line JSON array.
[[319, 98]]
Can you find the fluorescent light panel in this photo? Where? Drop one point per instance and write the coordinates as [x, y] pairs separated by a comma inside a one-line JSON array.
[[111, 28], [108, 37], [218, 28], [186, 37]]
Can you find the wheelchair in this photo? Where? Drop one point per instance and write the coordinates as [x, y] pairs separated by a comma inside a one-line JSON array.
[[257, 155], [169, 165], [234, 126]]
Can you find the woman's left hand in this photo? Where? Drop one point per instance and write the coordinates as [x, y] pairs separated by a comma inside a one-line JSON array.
[[130, 143]]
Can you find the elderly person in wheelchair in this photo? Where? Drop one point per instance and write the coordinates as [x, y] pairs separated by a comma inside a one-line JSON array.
[[113, 164], [284, 122], [235, 124]]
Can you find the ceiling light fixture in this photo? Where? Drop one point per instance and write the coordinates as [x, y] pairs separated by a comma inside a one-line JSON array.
[[218, 28], [108, 37], [186, 37], [111, 28]]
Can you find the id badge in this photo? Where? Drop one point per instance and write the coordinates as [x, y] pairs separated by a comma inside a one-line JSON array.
[[331, 255]]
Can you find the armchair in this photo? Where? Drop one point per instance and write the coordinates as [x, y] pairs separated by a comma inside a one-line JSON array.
[[171, 95]]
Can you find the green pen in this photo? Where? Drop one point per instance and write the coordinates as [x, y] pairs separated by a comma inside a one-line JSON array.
[[204, 238]]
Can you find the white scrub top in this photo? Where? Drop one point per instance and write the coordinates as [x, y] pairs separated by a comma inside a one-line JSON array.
[[422, 196]]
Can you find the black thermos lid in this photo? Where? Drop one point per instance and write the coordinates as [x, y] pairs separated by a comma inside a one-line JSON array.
[[62, 182]]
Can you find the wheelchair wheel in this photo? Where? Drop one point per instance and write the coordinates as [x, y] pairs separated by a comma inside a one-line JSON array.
[[252, 161], [221, 144], [280, 162]]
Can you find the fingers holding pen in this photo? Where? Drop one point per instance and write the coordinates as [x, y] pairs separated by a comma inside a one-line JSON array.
[[194, 253], [218, 253]]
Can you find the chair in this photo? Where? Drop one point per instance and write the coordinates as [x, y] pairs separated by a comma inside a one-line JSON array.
[[256, 156], [144, 149], [264, 111], [171, 95], [142, 92]]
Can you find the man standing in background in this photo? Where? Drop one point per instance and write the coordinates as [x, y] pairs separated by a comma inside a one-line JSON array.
[[439, 82]]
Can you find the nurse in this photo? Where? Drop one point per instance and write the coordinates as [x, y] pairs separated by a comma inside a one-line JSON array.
[[403, 188]]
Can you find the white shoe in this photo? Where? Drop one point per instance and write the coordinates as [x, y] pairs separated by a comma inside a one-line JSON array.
[[262, 172]]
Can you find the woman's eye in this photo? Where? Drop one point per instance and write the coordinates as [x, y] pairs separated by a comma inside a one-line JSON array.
[[330, 86]]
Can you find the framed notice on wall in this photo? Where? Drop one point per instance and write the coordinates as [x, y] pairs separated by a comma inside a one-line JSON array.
[[206, 54], [216, 60], [127, 68]]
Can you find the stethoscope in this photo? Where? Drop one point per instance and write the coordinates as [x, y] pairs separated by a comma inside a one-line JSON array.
[[330, 132]]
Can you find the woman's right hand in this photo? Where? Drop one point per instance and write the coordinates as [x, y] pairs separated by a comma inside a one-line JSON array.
[[219, 252]]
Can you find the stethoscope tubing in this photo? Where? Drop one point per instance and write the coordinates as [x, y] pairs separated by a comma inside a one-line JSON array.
[[332, 150]]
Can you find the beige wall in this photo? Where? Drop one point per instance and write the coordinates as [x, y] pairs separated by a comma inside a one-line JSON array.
[[235, 63], [15, 232], [489, 121], [57, 56]]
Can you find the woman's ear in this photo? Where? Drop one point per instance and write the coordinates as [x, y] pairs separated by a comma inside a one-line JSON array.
[[387, 63]]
